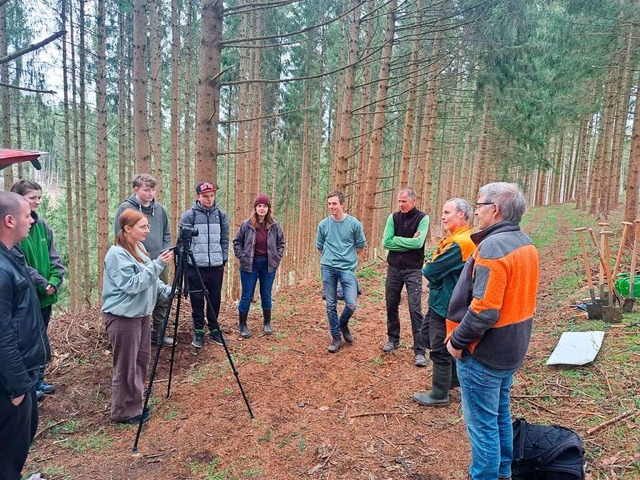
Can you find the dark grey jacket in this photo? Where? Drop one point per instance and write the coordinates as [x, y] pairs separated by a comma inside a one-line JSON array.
[[245, 241], [211, 246], [24, 345], [159, 237]]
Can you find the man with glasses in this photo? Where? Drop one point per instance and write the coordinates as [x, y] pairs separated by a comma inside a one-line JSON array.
[[489, 322], [159, 238], [211, 251]]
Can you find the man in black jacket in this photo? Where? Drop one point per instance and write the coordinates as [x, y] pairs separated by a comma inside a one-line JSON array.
[[24, 346]]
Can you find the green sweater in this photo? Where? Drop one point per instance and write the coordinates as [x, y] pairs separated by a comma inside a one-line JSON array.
[[45, 265], [339, 242]]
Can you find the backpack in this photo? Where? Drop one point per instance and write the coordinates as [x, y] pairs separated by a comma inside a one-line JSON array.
[[546, 452]]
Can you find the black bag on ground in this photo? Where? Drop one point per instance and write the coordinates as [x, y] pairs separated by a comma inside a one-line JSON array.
[[546, 452]]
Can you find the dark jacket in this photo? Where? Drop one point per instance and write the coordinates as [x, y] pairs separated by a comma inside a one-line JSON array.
[[24, 346], [211, 246], [245, 241], [490, 315], [159, 237]]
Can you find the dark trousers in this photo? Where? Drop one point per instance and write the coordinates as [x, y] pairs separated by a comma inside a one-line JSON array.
[[18, 427], [160, 310], [412, 279], [46, 316], [434, 328], [212, 278]]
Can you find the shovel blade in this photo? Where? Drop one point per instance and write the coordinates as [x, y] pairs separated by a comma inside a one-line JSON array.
[[594, 311], [627, 305], [611, 314]]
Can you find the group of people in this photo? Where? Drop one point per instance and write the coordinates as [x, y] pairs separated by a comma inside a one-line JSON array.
[[135, 292], [482, 298]]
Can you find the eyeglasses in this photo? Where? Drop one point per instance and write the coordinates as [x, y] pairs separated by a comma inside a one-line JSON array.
[[145, 227], [480, 204]]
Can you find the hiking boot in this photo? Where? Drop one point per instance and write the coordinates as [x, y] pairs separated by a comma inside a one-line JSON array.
[[346, 333], [45, 387], [420, 361], [335, 345], [216, 336], [390, 346], [144, 416], [198, 338], [39, 395]]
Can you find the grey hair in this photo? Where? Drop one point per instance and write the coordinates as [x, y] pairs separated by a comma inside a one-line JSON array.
[[462, 206], [411, 193], [510, 200]]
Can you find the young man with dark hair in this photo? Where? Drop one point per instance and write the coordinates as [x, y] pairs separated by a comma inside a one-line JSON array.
[[159, 238], [339, 239], [211, 251]]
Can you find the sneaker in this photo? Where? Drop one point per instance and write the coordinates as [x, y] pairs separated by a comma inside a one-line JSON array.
[[198, 338], [167, 342], [346, 333], [335, 345], [216, 336], [45, 387], [390, 346], [39, 395], [421, 361]]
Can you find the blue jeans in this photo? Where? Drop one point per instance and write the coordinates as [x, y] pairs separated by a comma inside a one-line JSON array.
[[260, 271], [486, 397], [330, 278]]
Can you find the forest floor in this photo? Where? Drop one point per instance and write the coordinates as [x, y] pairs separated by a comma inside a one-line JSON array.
[[343, 416]]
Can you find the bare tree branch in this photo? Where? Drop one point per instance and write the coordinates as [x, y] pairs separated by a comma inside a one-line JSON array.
[[32, 47], [26, 89]]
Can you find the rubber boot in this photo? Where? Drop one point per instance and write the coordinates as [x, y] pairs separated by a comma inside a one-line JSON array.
[[266, 326], [242, 324], [439, 394]]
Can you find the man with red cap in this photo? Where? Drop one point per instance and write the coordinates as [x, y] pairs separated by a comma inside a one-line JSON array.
[[210, 250]]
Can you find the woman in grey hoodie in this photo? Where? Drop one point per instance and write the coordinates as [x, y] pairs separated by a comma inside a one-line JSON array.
[[130, 289]]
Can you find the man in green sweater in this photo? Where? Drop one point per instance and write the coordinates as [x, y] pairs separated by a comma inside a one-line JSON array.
[[404, 235]]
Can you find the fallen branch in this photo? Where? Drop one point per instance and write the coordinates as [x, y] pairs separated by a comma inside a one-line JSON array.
[[49, 427], [626, 414], [371, 414]]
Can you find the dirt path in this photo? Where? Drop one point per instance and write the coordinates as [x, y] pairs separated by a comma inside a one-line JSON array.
[[317, 416]]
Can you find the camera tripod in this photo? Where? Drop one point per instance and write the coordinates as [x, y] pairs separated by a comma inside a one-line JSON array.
[[183, 253]]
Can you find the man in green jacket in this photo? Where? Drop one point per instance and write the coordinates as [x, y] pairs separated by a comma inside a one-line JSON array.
[[404, 236]]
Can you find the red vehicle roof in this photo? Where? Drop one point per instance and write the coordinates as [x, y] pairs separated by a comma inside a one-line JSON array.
[[9, 157]]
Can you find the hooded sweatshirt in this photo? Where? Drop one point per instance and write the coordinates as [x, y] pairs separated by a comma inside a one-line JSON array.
[[159, 237]]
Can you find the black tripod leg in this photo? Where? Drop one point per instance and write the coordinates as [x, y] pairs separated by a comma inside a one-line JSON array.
[[224, 342], [174, 288]]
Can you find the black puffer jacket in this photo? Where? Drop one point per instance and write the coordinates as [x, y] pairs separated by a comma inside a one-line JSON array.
[[24, 346]]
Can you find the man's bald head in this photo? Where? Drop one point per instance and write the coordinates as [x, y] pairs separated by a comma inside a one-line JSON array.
[[15, 218], [10, 204]]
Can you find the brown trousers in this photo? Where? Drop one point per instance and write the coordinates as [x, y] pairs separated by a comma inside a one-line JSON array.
[[131, 342]]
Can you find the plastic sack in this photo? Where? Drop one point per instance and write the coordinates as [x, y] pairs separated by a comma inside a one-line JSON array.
[[622, 285]]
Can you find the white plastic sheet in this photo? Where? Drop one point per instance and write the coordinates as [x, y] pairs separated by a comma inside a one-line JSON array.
[[576, 348]]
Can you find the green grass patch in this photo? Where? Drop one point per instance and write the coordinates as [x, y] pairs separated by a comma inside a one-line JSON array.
[[281, 335], [210, 471], [96, 442], [266, 438], [368, 272], [72, 426], [172, 415]]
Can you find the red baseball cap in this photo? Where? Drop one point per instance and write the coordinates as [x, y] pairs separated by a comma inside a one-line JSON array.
[[206, 187]]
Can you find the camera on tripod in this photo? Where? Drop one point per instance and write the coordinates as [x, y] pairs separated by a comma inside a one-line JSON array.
[[186, 233]]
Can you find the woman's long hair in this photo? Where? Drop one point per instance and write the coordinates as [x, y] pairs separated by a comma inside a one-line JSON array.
[[255, 220], [130, 217]]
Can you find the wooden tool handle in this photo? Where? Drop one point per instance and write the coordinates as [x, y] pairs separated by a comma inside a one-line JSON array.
[[634, 257], [585, 258], [616, 268], [595, 244]]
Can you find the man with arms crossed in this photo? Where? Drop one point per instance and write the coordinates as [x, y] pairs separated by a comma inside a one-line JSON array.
[[443, 271], [158, 240], [404, 236], [24, 346], [339, 239], [489, 323]]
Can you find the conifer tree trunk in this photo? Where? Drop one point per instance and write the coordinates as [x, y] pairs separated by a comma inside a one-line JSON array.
[[188, 125], [88, 196], [584, 141], [174, 184], [155, 82], [123, 113], [142, 147], [608, 181], [208, 106], [5, 102], [633, 175], [73, 268], [375, 152], [341, 163], [101, 148]]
